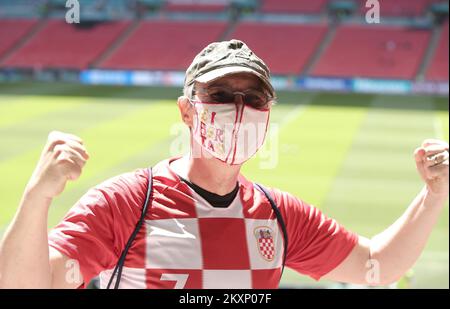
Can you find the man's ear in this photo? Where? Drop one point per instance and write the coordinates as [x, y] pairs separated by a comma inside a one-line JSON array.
[[186, 111]]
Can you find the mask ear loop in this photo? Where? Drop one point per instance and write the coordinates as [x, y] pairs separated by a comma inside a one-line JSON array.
[[191, 129]]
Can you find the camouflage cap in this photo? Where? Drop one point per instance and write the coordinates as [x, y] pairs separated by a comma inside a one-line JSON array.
[[228, 57]]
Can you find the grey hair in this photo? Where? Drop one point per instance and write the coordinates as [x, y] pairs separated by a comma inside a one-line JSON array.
[[187, 91]]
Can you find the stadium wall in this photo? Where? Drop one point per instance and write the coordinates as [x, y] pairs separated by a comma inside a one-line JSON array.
[[356, 85], [176, 78]]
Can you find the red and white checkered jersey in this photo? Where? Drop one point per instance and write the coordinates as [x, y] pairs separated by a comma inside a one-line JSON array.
[[187, 243]]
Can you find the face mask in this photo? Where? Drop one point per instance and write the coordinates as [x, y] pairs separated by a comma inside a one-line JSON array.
[[232, 133]]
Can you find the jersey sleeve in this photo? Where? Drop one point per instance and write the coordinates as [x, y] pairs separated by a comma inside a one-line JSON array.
[[96, 228], [317, 244]]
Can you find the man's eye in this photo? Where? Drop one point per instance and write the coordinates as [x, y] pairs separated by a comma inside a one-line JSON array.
[[221, 97], [255, 101]]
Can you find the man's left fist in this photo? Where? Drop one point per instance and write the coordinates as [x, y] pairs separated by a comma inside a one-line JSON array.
[[433, 166]]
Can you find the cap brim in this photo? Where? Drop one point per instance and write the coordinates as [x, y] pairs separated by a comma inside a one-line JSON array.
[[221, 72]]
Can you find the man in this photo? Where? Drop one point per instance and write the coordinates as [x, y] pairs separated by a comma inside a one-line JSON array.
[[206, 226]]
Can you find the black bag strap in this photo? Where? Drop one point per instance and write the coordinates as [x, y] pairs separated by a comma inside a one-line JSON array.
[[120, 263], [279, 219]]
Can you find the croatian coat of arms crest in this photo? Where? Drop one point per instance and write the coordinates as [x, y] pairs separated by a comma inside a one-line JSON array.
[[266, 246]]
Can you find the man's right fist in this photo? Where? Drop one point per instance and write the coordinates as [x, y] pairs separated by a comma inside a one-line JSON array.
[[62, 159]]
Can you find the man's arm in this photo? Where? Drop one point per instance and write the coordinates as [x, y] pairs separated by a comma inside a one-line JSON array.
[[395, 250], [25, 258]]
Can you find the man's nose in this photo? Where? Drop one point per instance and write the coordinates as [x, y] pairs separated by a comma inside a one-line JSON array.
[[239, 98]]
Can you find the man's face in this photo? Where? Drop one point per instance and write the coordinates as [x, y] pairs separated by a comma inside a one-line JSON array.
[[228, 117]]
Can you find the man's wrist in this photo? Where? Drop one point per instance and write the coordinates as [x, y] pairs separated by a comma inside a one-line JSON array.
[[35, 195], [438, 198]]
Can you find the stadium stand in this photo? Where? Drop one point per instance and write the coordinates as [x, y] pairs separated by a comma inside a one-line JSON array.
[[12, 31], [295, 37], [293, 6], [63, 45], [438, 69], [286, 48], [164, 45], [184, 6], [377, 52], [22, 8], [404, 8], [94, 10]]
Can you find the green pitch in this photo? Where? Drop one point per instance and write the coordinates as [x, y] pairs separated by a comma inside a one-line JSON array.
[[350, 155]]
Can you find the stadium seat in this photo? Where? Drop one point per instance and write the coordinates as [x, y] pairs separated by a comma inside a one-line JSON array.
[[164, 45], [378, 52], [286, 48], [12, 31], [438, 69], [196, 6], [293, 6], [63, 45]]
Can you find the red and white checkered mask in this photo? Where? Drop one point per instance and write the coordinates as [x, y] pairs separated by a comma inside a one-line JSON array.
[[230, 132]]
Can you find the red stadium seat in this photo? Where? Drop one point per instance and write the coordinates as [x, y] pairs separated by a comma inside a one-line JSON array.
[[438, 69], [377, 52], [196, 6], [164, 45], [11, 31], [63, 45], [286, 48], [293, 6]]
